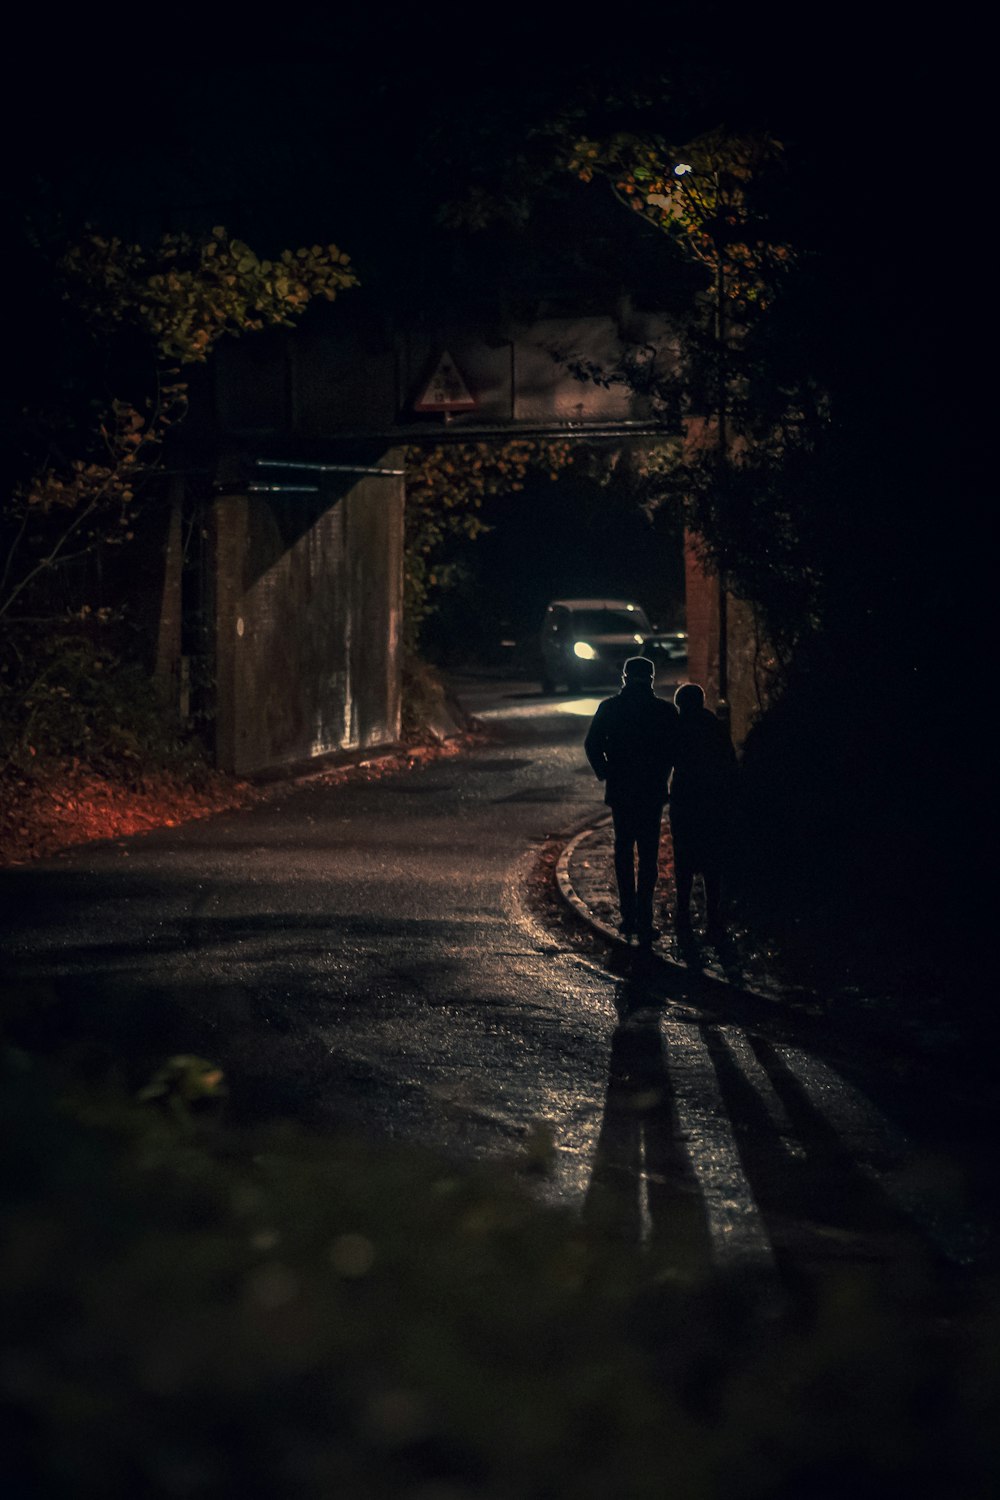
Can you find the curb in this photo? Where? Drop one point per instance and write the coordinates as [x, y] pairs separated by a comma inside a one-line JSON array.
[[569, 894], [706, 980], [583, 911], [334, 763]]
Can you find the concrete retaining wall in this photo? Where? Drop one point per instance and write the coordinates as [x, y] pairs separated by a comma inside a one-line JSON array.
[[308, 603]]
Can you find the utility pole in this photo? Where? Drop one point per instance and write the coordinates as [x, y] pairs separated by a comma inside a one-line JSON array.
[[722, 707]]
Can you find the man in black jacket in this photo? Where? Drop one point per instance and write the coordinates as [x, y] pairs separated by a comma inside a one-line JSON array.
[[630, 745]]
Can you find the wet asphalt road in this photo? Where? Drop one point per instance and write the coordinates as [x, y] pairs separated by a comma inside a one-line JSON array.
[[363, 954], [356, 953]]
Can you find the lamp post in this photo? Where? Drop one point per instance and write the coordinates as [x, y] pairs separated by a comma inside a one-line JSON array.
[[713, 222]]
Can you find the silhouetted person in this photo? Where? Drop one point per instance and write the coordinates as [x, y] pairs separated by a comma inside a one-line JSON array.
[[702, 807], [630, 744]]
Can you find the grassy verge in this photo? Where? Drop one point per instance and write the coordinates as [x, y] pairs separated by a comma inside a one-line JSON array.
[[194, 1310]]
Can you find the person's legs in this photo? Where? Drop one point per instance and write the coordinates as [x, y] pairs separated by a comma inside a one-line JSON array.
[[648, 846], [624, 825], [684, 870], [716, 928]]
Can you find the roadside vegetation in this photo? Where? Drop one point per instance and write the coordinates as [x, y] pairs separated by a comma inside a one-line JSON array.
[[221, 1310], [799, 391], [88, 747]]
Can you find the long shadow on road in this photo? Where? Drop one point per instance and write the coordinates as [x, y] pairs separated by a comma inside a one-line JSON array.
[[721, 1143], [642, 1189]]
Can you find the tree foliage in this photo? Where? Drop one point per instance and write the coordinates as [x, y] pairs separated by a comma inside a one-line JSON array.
[[754, 413], [808, 479], [182, 296], [704, 195], [137, 319], [445, 488], [187, 293]]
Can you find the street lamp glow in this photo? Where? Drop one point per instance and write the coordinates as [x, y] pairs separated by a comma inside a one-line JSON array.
[[585, 651], [682, 168]]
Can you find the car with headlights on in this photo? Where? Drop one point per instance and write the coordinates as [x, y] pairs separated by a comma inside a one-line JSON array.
[[667, 649], [585, 642]]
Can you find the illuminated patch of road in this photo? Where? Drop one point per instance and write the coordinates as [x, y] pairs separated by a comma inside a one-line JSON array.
[[739, 1238], [915, 1184], [582, 706], [585, 707], [756, 1075]]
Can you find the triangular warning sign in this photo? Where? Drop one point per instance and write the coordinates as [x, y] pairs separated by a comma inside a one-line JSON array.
[[446, 390]]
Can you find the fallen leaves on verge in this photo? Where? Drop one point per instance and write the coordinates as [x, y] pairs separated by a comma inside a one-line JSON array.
[[63, 803]]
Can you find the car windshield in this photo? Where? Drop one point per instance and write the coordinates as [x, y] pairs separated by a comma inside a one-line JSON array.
[[608, 622]]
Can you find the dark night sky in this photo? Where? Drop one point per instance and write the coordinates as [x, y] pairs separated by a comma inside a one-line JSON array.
[[351, 125], [341, 104]]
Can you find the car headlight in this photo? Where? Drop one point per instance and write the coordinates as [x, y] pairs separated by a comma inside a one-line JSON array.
[[585, 651]]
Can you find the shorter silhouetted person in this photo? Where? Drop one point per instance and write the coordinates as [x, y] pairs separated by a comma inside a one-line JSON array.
[[630, 744], [702, 807]]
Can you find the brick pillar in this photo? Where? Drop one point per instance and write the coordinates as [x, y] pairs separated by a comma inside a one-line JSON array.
[[751, 663]]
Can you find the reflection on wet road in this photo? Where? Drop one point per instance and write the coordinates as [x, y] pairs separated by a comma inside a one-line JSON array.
[[718, 1143]]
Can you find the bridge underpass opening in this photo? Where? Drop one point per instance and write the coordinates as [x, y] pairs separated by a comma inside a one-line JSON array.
[[589, 533]]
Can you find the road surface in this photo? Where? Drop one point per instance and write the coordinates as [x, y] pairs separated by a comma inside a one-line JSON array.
[[365, 955]]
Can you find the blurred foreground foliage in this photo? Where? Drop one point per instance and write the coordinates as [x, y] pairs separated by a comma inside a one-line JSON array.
[[194, 1309]]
